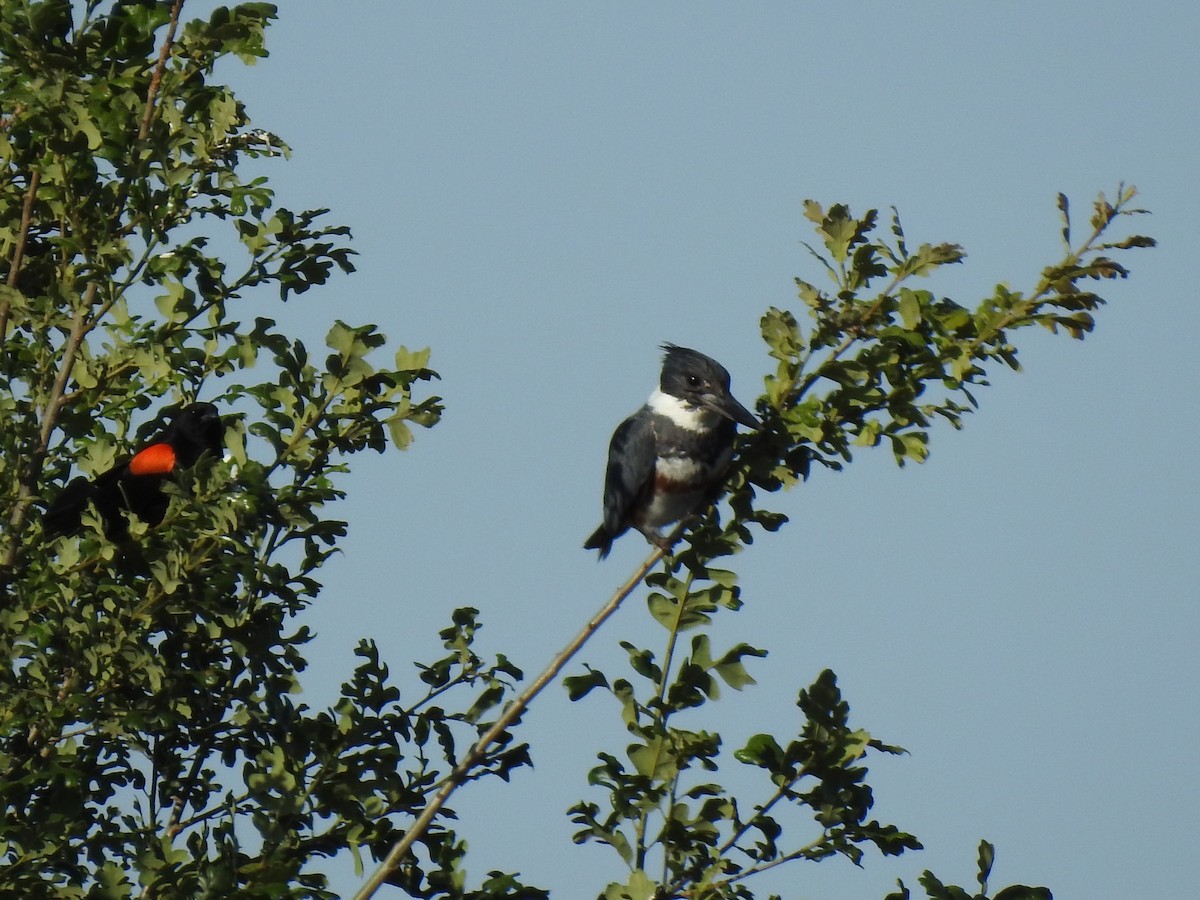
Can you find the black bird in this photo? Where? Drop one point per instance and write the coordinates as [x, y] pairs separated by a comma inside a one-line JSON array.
[[669, 459], [135, 484]]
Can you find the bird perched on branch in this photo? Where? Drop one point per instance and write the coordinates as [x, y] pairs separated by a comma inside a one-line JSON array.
[[669, 459], [135, 484]]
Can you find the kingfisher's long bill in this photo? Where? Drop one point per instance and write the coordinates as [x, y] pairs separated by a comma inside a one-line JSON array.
[[669, 459]]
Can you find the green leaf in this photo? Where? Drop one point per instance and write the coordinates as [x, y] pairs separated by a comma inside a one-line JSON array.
[[638, 887], [761, 750], [731, 669], [653, 760], [1022, 892], [987, 855], [664, 609], [579, 686], [781, 333], [642, 662], [909, 308], [1064, 208]]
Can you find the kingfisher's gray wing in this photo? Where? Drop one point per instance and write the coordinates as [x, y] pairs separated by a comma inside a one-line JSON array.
[[630, 475], [630, 470]]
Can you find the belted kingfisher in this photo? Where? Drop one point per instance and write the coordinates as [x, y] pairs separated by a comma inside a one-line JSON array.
[[669, 458]]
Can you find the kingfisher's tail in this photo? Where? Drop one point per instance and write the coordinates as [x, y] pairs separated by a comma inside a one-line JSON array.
[[600, 540]]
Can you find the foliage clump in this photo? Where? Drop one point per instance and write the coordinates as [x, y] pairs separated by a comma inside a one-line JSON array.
[[151, 740], [149, 713]]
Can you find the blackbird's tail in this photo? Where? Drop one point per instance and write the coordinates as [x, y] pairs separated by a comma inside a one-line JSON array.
[[64, 514]]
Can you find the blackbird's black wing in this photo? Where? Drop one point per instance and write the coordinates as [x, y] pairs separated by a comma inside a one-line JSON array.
[[111, 492], [62, 516]]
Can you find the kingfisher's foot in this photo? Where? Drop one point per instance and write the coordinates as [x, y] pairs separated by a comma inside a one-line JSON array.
[[664, 542]]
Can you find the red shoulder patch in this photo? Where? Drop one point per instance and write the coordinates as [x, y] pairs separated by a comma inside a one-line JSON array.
[[157, 459]]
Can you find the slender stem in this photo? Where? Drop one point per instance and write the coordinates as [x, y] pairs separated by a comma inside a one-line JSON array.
[[435, 692], [83, 322], [33, 468], [35, 178], [402, 847], [1072, 258], [159, 68], [762, 811], [14, 266], [164, 53], [662, 714], [801, 853], [731, 843], [224, 805], [305, 428], [152, 788], [54, 402], [847, 342], [181, 799], [1024, 309]]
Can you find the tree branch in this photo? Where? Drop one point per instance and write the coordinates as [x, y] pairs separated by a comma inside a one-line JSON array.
[[156, 78], [26, 489], [14, 266], [402, 847], [662, 713], [803, 853]]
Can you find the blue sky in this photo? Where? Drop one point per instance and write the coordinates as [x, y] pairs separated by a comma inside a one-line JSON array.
[[544, 192]]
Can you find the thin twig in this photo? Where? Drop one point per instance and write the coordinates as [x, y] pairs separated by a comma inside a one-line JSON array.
[[398, 852], [731, 844], [762, 811], [54, 402], [156, 78], [235, 808], [84, 321], [35, 178], [1031, 303], [802, 853], [172, 828], [662, 714], [33, 469], [855, 333], [181, 799], [14, 266]]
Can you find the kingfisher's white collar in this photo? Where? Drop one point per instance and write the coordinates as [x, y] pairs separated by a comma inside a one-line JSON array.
[[691, 418]]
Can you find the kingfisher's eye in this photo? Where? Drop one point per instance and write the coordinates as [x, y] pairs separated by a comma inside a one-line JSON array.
[[694, 381]]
